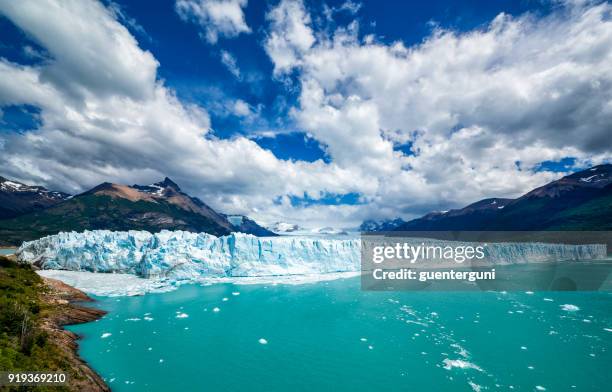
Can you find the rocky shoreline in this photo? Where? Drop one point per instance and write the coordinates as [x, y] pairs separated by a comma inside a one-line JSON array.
[[70, 312], [33, 313]]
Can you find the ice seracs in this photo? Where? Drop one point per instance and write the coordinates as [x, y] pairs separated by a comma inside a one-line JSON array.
[[186, 255], [181, 255]]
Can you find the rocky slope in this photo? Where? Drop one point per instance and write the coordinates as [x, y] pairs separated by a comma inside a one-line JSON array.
[[159, 206], [580, 201], [32, 313], [19, 199]]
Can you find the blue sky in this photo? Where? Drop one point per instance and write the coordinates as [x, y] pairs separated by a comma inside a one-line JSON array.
[[194, 69], [322, 112]]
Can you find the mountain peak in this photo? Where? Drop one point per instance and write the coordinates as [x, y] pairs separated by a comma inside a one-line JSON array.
[[17, 198], [168, 183]]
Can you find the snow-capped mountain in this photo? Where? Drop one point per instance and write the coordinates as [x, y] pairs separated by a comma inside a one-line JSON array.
[[18, 199], [244, 224], [381, 225], [329, 231], [284, 227], [159, 206], [579, 201]]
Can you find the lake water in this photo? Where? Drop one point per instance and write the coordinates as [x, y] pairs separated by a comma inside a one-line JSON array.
[[7, 251], [331, 336]]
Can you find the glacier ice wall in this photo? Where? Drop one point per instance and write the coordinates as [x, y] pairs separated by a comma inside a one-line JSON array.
[[185, 255]]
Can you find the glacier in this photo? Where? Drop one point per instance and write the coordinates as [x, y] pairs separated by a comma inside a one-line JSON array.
[[135, 262], [182, 255]]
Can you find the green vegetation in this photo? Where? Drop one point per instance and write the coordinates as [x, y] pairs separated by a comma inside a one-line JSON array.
[[93, 212], [25, 345]]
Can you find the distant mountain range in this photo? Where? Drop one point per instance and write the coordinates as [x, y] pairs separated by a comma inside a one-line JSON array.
[[34, 212], [580, 201], [381, 225], [19, 199], [284, 227]]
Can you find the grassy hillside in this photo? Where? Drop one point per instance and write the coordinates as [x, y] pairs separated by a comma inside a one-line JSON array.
[[91, 212], [28, 338]]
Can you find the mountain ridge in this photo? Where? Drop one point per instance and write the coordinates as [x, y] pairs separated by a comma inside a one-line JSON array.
[[579, 201], [17, 198], [155, 207]]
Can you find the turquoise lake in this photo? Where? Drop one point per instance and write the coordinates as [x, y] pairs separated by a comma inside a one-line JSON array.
[[331, 336]]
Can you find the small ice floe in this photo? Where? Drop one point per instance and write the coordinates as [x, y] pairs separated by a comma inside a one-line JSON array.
[[529, 292], [460, 350], [215, 309], [523, 348], [569, 308], [235, 293], [105, 335], [370, 347], [262, 341], [459, 363], [530, 367], [132, 319], [225, 299], [540, 388], [182, 315], [364, 339], [586, 320], [608, 329], [148, 318], [475, 387], [548, 299], [161, 361]]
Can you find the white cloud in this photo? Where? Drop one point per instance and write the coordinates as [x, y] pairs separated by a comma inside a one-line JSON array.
[[216, 17], [290, 34], [230, 63], [132, 128], [241, 108], [469, 105], [472, 104]]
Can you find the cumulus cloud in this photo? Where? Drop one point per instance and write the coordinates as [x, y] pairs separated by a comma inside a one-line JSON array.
[[459, 117], [477, 111], [290, 35], [215, 17], [129, 127]]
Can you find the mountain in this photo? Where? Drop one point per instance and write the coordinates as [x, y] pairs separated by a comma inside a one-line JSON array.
[[284, 227], [119, 207], [329, 231], [244, 224], [19, 199], [580, 201], [381, 225]]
